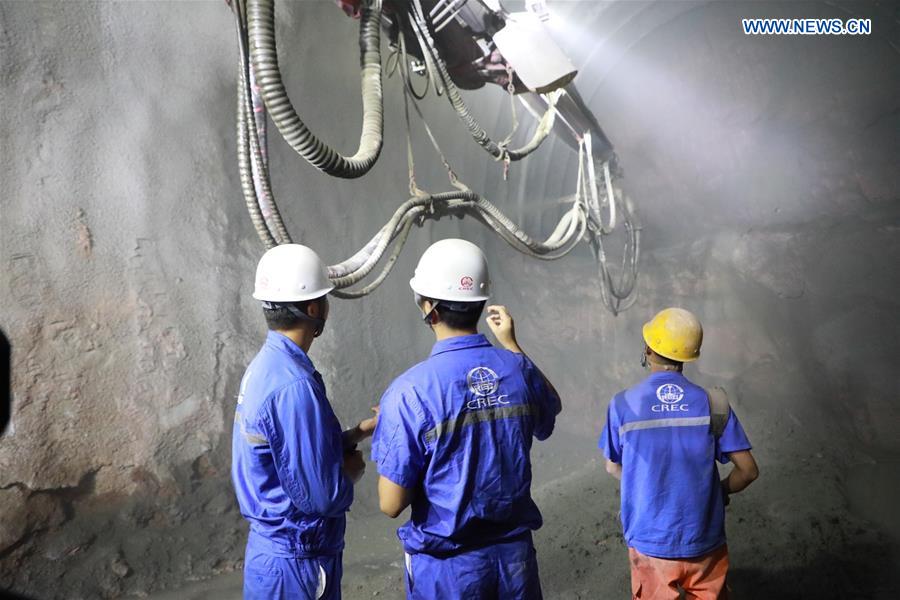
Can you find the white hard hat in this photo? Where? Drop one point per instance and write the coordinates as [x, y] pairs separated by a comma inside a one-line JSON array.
[[452, 270], [291, 273]]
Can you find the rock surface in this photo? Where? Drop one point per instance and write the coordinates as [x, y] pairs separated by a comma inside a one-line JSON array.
[[766, 173]]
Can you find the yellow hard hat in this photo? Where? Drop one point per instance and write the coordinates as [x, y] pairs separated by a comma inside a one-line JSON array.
[[675, 333]]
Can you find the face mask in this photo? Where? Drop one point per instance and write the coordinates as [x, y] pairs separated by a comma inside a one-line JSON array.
[[320, 322], [320, 326]]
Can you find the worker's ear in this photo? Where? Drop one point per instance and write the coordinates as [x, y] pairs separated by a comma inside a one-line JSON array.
[[645, 356], [318, 309]]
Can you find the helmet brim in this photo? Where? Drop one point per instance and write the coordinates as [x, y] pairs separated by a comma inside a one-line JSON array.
[[294, 297]]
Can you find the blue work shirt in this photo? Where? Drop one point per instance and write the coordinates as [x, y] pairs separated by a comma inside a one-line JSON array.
[[457, 429], [287, 455], [659, 431]]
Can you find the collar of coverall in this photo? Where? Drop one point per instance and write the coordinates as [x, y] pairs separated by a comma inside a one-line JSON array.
[[283, 343], [459, 342], [658, 375]]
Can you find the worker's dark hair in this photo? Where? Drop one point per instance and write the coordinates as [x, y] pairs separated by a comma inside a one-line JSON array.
[[667, 362], [460, 319], [280, 317]]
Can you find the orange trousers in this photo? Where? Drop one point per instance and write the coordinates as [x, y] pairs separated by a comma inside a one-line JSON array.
[[701, 578]]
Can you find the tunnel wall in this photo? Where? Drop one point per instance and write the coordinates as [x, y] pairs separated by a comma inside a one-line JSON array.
[[765, 172]]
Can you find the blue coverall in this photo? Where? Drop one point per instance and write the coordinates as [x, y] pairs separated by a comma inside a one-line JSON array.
[[287, 470], [658, 430], [457, 430]]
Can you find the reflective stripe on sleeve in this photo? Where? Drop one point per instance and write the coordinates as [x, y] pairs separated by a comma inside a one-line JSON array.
[[255, 440], [252, 438]]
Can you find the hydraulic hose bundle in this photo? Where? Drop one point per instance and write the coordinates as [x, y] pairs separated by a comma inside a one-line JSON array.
[[261, 92], [261, 32]]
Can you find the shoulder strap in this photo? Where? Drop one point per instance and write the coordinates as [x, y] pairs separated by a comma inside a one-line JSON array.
[[719, 410]]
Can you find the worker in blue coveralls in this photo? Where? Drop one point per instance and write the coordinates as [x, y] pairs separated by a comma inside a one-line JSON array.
[[293, 469], [661, 439], [454, 439]]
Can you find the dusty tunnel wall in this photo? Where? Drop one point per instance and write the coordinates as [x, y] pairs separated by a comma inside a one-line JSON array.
[[766, 174]]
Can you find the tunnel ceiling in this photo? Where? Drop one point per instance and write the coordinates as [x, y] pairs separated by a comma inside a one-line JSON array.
[[713, 129]]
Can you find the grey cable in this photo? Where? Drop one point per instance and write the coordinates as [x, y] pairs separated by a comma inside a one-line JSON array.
[[246, 177], [264, 57]]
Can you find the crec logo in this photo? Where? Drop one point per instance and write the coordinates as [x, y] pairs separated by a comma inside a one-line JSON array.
[[482, 381], [670, 395], [466, 283]]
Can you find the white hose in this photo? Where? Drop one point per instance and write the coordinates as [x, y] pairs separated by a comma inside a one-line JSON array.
[[611, 198], [582, 221]]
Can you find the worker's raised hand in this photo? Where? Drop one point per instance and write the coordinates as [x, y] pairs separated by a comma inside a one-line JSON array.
[[501, 324], [354, 465], [367, 426]]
